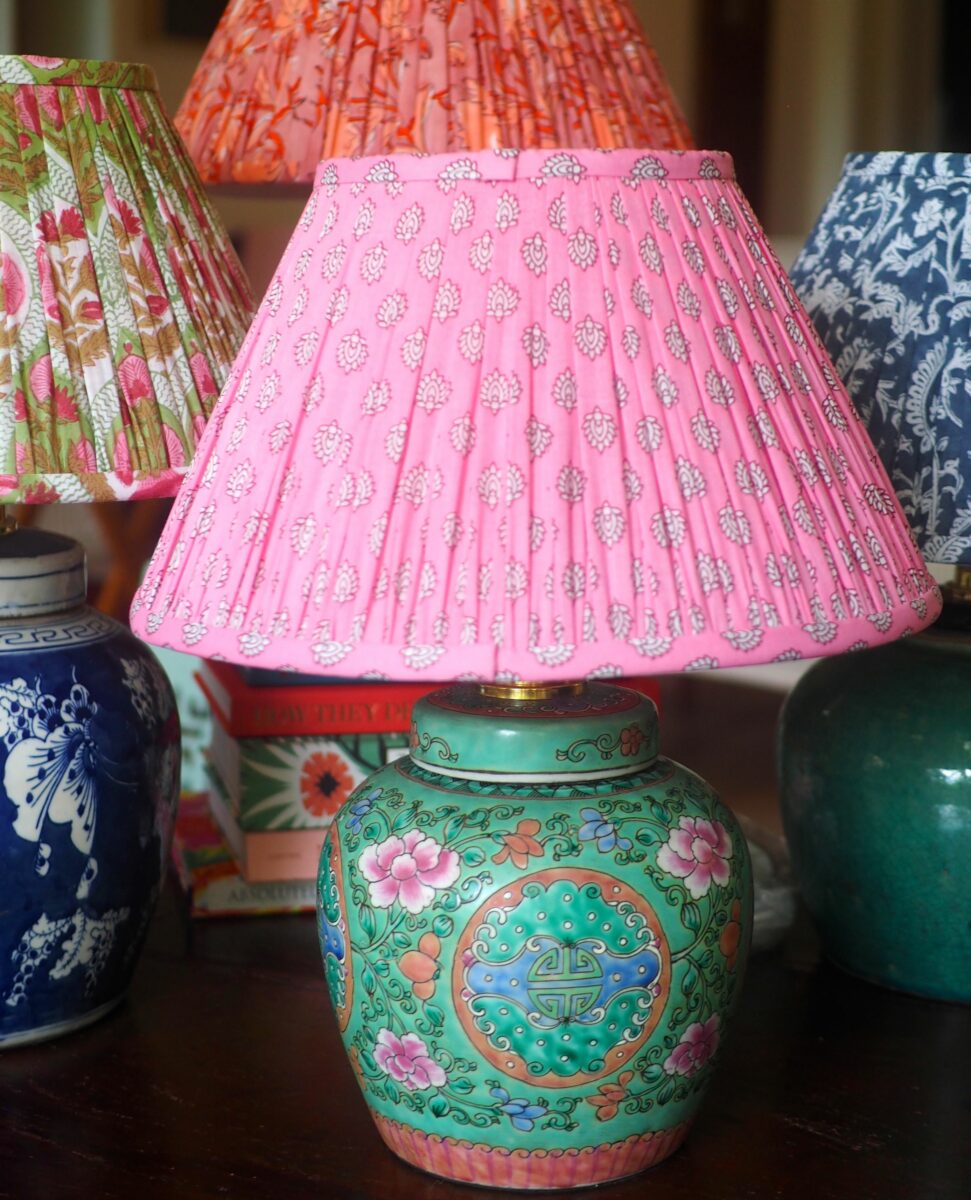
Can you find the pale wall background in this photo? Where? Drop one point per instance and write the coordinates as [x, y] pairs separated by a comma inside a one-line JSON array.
[[844, 75]]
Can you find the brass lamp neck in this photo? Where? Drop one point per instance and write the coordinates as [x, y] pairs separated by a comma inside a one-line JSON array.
[[521, 690]]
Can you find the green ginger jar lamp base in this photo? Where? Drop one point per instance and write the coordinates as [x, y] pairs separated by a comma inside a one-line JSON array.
[[875, 785], [534, 930]]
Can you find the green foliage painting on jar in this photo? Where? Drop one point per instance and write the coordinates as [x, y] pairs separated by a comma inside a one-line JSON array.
[[534, 973]]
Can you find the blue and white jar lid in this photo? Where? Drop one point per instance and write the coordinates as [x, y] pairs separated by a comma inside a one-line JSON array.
[[40, 573]]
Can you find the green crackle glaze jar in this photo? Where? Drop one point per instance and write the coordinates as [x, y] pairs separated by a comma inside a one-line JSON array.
[[875, 785], [533, 930]]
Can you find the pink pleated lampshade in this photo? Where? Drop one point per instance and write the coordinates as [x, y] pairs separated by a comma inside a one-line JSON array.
[[534, 415], [285, 83]]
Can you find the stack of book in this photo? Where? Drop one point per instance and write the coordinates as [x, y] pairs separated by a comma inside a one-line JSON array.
[[210, 874], [285, 752]]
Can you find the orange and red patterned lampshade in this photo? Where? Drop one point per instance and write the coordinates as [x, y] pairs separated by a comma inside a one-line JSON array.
[[123, 303], [285, 83]]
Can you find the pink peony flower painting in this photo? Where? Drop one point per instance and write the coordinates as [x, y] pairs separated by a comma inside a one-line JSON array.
[[698, 852], [407, 1061], [409, 869], [698, 1043]]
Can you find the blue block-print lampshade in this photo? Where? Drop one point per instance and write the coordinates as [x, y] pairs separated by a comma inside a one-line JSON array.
[[886, 277]]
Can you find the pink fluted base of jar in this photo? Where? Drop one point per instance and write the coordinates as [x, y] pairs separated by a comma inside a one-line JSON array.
[[535, 1170]]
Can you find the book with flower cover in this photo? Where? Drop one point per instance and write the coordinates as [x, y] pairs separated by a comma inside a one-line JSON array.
[[253, 709], [276, 783], [210, 875]]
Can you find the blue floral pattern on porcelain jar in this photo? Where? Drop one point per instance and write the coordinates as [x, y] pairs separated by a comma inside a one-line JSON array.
[[89, 763], [886, 278]]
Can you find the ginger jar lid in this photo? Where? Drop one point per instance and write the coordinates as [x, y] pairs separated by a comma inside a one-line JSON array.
[[583, 731], [40, 573]]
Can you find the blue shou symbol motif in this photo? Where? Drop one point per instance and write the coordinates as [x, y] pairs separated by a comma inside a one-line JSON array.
[[563, 982], [561, 977]]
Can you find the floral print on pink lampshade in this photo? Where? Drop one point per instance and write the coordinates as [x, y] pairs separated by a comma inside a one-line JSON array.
[[124, 303], [285, 83], [539, 415]]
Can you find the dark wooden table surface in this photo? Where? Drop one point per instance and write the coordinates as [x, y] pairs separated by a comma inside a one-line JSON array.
[[223, 1076]]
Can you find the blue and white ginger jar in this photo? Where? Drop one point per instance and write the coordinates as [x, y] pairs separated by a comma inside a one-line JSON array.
[[89, 755]]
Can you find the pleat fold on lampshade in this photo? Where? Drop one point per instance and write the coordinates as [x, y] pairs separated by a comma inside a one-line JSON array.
[[886, 278], [541, 415], [123, 301], [285, 83]]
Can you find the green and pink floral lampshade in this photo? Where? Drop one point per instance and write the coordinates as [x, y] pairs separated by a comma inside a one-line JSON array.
[[123, 301]]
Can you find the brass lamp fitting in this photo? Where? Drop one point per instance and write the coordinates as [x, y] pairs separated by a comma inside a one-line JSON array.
[[521, 690]]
